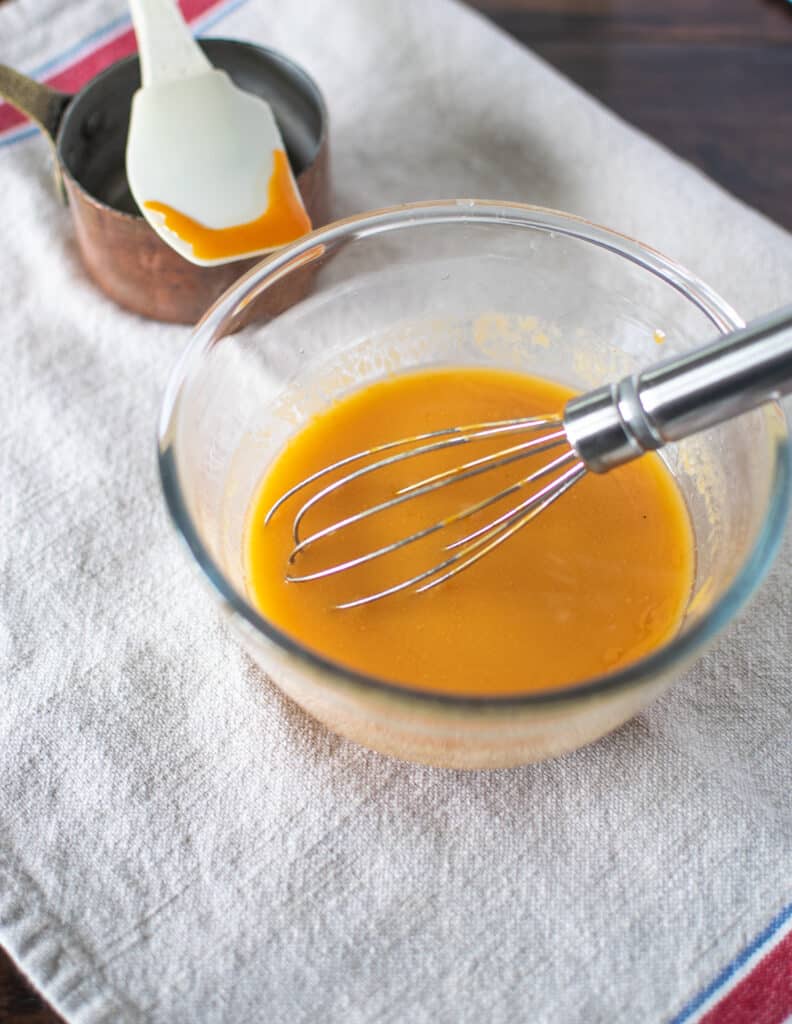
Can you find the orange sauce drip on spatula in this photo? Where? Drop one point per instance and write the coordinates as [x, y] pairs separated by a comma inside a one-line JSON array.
[[283, 221]]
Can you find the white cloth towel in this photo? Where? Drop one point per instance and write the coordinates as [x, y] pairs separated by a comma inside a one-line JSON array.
[[178, 843]]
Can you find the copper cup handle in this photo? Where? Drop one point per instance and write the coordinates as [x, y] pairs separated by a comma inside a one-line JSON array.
[[42, 104]]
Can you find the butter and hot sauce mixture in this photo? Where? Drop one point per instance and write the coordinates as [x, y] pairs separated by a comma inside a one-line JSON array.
[[595, 582]]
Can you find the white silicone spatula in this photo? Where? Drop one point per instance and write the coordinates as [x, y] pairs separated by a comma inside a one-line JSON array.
[[205, 160]]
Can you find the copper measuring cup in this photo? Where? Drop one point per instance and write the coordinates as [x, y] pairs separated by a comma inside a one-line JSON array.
[[88, 131]]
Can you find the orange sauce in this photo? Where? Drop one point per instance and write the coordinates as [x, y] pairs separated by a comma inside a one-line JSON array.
[[595, 582], [283, 221]]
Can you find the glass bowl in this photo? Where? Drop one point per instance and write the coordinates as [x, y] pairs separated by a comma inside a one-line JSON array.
[[468, 283]]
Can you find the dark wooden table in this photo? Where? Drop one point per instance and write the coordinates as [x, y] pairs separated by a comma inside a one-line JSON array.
[[712, 79]]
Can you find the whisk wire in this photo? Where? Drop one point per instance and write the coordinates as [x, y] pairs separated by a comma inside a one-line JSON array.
[[440, 524], [475, 434], [515, 522], [459, 473], [520, 516], [551, 467], [492, 461], [412, 538], [472, 431], [566, 468]]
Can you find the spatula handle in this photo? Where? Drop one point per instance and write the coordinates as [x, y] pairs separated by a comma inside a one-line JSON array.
[[165, 43]]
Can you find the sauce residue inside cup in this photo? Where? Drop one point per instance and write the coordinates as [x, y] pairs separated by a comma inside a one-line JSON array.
[[597, 581]]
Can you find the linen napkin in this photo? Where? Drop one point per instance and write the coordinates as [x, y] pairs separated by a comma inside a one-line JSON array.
[[179, 843]]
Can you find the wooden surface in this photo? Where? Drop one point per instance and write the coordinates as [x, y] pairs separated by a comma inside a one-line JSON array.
[[712, 79], [709, 78]]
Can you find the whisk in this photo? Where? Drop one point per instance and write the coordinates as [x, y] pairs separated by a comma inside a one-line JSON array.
[[596, 431]]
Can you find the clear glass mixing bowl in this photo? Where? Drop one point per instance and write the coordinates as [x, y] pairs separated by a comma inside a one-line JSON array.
[[457, 282]]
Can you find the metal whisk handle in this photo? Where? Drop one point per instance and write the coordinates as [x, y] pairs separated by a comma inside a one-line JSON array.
[[683, 395]]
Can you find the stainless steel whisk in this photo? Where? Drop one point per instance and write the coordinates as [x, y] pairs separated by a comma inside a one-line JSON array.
[[597, 431]]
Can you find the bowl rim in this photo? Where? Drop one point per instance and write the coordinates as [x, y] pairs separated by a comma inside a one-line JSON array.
[[680, 649]]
